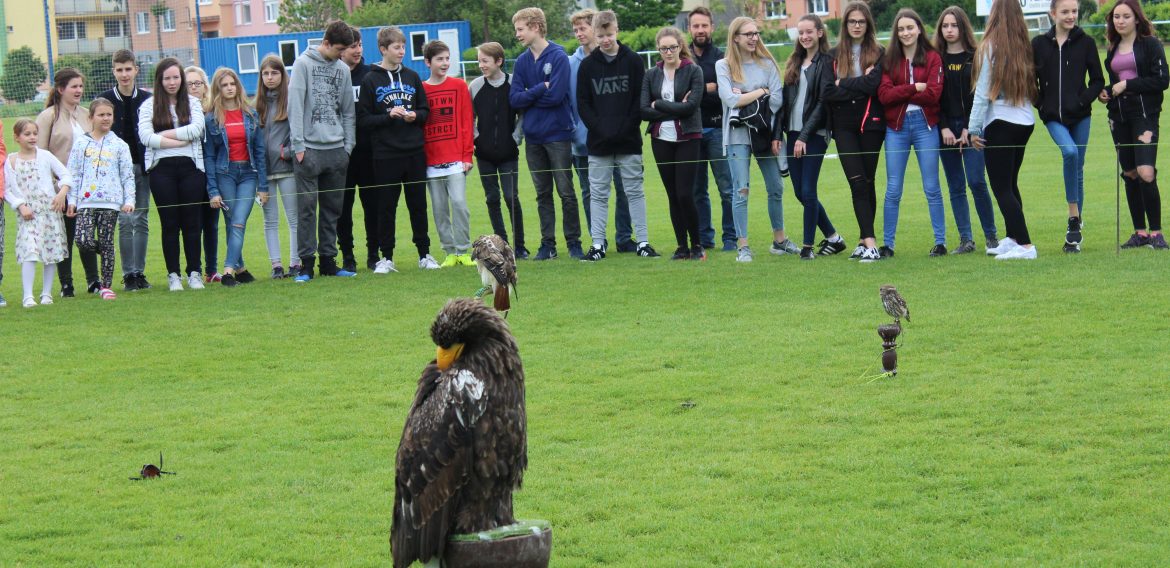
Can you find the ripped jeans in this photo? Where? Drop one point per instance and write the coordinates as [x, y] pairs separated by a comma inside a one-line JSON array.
[[238, 188], [739, 162]]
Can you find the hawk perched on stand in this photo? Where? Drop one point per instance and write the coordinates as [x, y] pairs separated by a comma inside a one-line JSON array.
[[497, 270], [894, 304], [464, 447]]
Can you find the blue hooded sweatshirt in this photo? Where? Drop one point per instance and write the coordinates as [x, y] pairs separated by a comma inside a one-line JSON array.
[[581, 133], [548, 112]]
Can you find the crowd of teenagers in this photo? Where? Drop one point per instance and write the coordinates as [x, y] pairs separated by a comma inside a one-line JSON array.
[[337, 130]]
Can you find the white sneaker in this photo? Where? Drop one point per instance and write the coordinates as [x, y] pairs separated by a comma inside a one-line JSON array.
[[1020, 252], [869, 255], [175, 281], [384, 266], [744, 255], [46, 299], [30, 302], [428, 263], [195, 281], [1006, 244]]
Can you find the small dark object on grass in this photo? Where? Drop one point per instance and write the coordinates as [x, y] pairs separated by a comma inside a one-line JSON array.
[[150, 471]]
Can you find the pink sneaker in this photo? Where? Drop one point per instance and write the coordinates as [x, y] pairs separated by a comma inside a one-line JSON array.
[[108, 294], [214, 277]]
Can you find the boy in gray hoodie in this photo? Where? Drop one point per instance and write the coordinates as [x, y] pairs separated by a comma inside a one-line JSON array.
[[321, 121]]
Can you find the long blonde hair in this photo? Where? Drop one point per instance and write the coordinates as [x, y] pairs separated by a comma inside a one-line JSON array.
[[734, 65], [1012, 73], [205, 100], [217, 99]]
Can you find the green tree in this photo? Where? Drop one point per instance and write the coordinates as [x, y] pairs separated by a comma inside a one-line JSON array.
[[491, 20], [309, 15], [23, 71], [638, 13], [96, 67]]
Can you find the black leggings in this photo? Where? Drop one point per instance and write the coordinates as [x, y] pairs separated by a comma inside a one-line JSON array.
[[393, 177], [95, 234], [859, 152], [678, 163], [1004, 154], [179, 189], [1145, 203]]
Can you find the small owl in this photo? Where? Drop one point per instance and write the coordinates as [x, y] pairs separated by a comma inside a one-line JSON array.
[[893, 302]]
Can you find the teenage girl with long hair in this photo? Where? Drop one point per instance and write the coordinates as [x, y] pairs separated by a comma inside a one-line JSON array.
[[1136, 62], [748, 73], [912, 83], [806, 75], [272, 109], [856, 117], [962, 164], [1065, 57], [1001, 118]]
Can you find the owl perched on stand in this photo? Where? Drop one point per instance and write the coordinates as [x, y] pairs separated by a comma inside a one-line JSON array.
[[894, 303], [497, 270]]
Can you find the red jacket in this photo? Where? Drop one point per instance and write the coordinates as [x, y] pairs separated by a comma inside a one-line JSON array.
[[449, 130], [895, 91]]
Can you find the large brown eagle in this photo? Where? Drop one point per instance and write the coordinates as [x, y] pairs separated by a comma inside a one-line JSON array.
[[497, 270], [464, 447]]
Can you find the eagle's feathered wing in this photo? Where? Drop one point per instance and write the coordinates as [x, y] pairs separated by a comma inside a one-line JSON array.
[[435, 459], [497, 268]]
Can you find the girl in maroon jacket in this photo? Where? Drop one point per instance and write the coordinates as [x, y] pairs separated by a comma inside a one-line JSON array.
[[912, 82]]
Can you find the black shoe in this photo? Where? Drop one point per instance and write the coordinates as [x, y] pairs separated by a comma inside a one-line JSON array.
[[1135, 241], [245, 277], [142, 283], [130, 282], [1072, 248], [372, 263], [94, 288], [1158, 242], [277, 272], [348, 263], [521, 253], [681, 253], [546, 253], [885, 252], [327, 266], [628, 246], [646, 250], [67, 290], [1073, 236], [575, 251], [708, 246], [827, 247], [698, 253], [806, 253], [595, 254], [938, 250], [228, 280]]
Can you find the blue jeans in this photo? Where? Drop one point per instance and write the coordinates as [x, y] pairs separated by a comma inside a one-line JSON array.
[[1073, 143], [963, 167], [711, 150], [237, 186], [924, 139], [621, 216], [739, 164], [805, 173]]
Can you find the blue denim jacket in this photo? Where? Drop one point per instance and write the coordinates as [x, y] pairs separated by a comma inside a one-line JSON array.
[[215, 152]]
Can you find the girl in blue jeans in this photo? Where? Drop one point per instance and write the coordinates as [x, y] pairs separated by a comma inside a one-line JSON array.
[[236, 161], [912, 82], [1063, 58], [962, 164]]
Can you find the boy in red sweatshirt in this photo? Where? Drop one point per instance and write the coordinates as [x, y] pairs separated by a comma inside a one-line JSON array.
[[449, 146]]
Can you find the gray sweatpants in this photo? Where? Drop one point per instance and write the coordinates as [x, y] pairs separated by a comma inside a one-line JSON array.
[[281, 192], [320, 180], [134, 228], [449, 209], [600, 175]]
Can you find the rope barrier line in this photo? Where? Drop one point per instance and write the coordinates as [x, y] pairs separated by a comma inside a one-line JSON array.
[[572, 170]]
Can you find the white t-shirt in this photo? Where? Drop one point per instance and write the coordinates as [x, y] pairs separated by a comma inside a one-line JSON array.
[[666, 130]]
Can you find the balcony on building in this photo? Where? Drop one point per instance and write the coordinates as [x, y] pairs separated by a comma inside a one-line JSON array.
[[88, 7], [96, 45]]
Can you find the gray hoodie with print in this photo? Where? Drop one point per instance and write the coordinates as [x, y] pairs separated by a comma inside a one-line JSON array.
[[320, 104]]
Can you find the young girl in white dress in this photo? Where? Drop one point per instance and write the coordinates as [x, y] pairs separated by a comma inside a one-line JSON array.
[[40, 229]]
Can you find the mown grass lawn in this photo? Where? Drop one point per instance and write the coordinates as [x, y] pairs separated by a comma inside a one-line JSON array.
[[680, 414]]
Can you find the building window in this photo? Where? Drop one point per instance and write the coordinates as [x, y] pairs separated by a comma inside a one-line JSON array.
[[313, 43], [142, 22], [168, 20], [243, 13], [417, 41], [776, 9], [271, 11], [819, 7], [70, 30], [204, 2], [247, 54], [288, 52], [116, 28]]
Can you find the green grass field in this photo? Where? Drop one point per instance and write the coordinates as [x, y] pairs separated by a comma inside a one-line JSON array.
[[680, 414]]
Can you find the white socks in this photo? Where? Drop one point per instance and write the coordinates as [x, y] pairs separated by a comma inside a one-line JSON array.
[[28, 273]]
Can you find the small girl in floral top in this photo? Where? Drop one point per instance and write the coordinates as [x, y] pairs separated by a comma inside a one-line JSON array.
[[40, 229], [103, 172]]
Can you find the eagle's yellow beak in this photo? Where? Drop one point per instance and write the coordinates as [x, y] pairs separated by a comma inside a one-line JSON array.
[[447, 356]]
